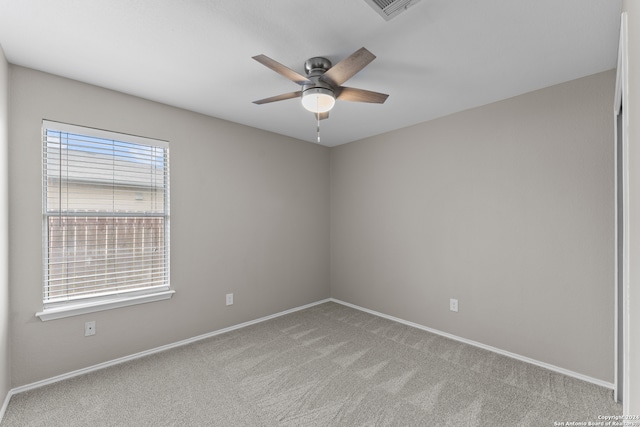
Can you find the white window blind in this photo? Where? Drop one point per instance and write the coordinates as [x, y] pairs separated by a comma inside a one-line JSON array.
[[105, 215]]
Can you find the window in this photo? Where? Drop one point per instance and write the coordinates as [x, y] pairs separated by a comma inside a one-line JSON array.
[[105, 220]]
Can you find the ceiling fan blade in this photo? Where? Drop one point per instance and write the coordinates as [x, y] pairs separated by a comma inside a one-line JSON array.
[[322, 116], [282, 97], [348, 67], [361, 95], [282, 70]]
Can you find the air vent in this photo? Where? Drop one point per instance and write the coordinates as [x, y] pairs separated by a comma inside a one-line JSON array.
[[390, 8]]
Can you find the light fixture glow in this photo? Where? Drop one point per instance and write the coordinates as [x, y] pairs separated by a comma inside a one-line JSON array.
[[318, 100]]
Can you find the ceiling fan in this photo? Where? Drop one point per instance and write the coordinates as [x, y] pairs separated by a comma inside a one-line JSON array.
[[322, 86]]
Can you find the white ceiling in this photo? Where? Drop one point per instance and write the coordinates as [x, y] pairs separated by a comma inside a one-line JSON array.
[[436, 58]]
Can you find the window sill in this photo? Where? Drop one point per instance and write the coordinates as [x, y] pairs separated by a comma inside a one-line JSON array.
[[90, 307]]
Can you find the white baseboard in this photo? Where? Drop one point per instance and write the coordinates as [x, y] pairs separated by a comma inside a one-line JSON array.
[[554, 368], [103, 365], [5, 404]]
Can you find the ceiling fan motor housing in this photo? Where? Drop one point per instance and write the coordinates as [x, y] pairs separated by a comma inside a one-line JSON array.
[[315, 68], [316, 63], [318, 97]]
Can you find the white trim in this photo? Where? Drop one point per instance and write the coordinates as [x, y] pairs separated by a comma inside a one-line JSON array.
[[620, 105], [617, 100], [616, 259], [103, 365], [483, 346], [626, 239], [60, 312], [5, 405], [101, 133]]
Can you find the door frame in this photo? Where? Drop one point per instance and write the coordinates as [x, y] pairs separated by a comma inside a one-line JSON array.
[[621, 171]]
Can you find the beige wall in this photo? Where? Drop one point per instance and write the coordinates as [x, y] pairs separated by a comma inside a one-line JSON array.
[[632, 399], [5, 348], [507, 207], [249, 215]]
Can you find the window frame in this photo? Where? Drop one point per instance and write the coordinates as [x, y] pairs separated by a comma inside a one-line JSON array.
[[74, 306]]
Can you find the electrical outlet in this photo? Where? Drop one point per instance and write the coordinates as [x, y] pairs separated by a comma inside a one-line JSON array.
[[229, 299], [90, 328], [453, 305]]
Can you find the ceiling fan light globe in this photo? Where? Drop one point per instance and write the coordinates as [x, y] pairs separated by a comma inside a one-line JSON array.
[[318, 100]]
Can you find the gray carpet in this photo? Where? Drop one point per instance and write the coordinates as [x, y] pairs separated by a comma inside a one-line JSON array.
[[327, 365]]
